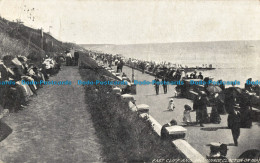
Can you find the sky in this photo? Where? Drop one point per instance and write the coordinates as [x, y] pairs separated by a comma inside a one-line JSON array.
[[139, 21]]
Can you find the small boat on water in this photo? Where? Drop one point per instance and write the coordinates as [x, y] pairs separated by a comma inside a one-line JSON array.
[[191, 69]]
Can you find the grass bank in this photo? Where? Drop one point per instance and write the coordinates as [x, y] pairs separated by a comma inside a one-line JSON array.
[[124, 136]]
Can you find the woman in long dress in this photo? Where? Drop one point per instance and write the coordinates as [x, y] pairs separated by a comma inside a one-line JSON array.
[[214, 115]]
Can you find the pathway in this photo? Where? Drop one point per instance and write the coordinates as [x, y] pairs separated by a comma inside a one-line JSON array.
[[56, 126], [197, 136]]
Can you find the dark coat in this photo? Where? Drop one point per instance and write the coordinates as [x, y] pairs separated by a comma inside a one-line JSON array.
[[195, 103], [156, 80], [234, 120], [164, 81], [201, 112], [76, 55]]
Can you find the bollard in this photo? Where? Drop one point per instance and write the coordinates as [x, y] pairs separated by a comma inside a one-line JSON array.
[[117, 90], [127, 98], [176, 132], [143, 108]]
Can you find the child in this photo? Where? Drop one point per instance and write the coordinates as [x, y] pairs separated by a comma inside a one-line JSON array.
[[175, 92], [171, 105], [186, 114]]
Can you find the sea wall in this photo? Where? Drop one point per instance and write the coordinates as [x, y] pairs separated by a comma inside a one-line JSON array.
[[124, 135], [181, 145]]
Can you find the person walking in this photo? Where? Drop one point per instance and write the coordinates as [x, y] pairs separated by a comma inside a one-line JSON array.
[[201, 108], [214, 115], [72, 51], [164, 82], [156, 85], [76, 58], [234, 124], [68, 58]]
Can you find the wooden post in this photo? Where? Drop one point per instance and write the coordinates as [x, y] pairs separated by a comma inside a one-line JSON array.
[[42, 38]]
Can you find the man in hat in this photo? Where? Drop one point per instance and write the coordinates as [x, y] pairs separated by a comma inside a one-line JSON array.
[[195, 75], [201, 108], [156, 85], [234, 123], [200, 76], [164, 82], [76, 57], [164, 133]]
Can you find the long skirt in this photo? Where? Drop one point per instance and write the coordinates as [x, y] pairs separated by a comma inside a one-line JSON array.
[[214, 116], [202, 116]]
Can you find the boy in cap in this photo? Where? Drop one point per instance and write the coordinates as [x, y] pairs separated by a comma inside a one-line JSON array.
[[156, 85], [234, 123]]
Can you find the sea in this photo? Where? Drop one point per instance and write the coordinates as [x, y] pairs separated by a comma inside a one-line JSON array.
[[233, 60]]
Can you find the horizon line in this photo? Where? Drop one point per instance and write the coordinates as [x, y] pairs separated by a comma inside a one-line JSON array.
[[167, 42]]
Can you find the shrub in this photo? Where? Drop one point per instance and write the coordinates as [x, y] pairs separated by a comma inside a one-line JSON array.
[[10, 46]]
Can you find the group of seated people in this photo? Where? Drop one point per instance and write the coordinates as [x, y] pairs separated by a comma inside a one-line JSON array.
[[195, 76], [15, 72]]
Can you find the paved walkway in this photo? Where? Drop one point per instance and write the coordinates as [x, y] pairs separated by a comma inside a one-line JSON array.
[[56, 126], [197, 136]]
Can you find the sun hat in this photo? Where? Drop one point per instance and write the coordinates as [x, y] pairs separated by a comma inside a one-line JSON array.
[[187, 107]]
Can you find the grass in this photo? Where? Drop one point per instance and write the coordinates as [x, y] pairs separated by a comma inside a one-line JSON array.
[[18, 39], [10, 46], [124, 136]]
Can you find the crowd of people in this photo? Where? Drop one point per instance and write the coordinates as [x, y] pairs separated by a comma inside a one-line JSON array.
[[18, 76], [232, 101]]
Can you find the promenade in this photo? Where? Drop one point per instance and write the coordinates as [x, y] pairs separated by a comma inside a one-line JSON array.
[[198, 137], [55, 127]]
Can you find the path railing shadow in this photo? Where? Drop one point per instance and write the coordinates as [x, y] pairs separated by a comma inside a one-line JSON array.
[[213, 128]]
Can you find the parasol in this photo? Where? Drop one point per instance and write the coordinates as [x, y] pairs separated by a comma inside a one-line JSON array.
[[214, 89]]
